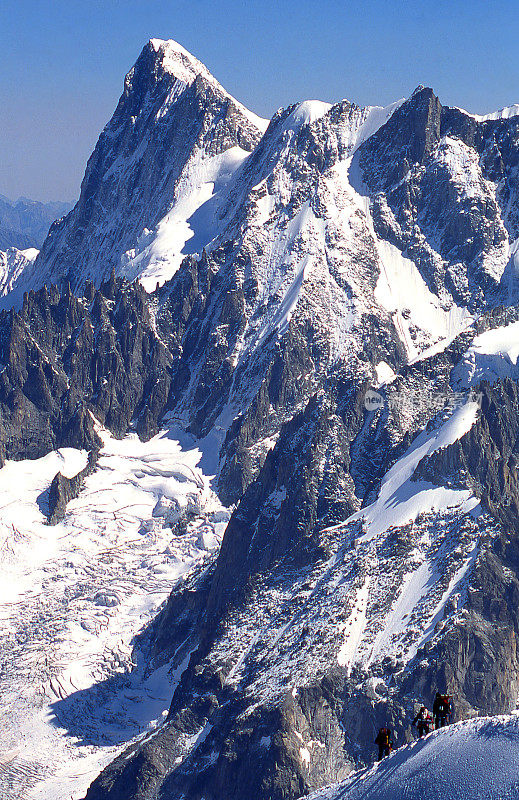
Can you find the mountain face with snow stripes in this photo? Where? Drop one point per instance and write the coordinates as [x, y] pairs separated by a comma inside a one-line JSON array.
[[174, 133], [326, 307]]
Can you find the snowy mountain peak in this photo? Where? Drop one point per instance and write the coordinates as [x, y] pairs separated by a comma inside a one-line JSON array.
[[307, 112], [175, 135], [173, 59], [177, 61]]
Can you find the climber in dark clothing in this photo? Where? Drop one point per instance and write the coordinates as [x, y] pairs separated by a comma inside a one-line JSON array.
[[423, 722], [442, 710], [451, 709], [385, 745]]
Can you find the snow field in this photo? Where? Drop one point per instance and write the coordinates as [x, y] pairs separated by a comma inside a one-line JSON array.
[[421, 584], [402, 291], [74, 596], [503, 113], [12, 264], [472, 760]]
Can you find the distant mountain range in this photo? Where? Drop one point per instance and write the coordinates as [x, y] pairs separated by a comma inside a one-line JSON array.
[[25, 223]]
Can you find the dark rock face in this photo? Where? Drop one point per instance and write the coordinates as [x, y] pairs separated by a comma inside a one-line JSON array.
[[416, 168], [67, 358], [294, 496], [63, 489], [486, 457]]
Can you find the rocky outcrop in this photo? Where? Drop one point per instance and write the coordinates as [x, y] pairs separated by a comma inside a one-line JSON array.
[[64, 489], [69, 360], [486, 457], [417, 168], [303, 486]]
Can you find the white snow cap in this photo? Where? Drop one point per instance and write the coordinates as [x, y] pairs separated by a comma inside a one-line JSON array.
[[307, 112], [179, 62], [503, 113]]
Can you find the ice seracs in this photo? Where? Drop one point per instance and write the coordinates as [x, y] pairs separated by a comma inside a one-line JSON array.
[[73, 597]]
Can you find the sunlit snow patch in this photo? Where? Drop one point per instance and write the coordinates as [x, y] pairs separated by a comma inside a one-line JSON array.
[[306, 112], [492, 356], [503, 113], [402, 291], [189, 226], [400, 499]]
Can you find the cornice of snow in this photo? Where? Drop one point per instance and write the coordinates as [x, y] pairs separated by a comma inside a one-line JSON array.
[[502, 113]]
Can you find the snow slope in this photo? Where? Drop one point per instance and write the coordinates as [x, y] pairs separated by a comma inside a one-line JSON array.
[[503, 113], [473, 760], [399, 569], [492, 356], [401, 499], [189, 226], [12, 264], [436, 567], [73, 597]]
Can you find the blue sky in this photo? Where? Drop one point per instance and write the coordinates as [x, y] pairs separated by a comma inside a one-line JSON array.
[[62, 64]]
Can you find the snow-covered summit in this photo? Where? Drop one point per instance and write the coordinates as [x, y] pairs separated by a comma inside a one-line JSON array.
[[307, 112], [176, 59], [185, 67], [175, 133], [503, 113]]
